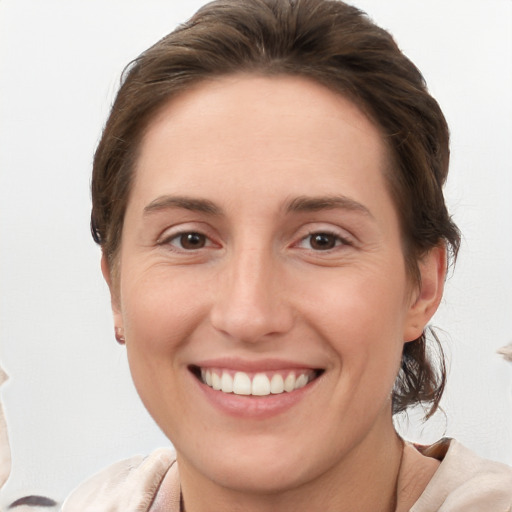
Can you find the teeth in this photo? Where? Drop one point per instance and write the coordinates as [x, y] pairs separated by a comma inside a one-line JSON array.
[[289, 382], [301, 381], [260, 385], [277, 384], [216, 384], [227, 383], [241, 384]]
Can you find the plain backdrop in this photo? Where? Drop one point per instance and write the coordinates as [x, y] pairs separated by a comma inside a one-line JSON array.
[[70, 404]]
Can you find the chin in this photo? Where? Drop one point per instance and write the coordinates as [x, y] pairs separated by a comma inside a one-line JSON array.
[[265, 465], [257, 476]]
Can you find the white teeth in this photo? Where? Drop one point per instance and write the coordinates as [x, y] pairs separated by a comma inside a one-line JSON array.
[[301, 381], [260, 385], [277, 384], [227, 383], [241, 384], [289, 382], [216, 382]]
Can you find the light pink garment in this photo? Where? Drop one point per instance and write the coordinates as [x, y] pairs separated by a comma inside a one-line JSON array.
[[128, 486], [463, 482]]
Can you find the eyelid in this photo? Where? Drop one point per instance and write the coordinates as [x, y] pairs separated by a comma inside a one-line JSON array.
[[342, 235], [173, 232], [177, 236], [340, 241]]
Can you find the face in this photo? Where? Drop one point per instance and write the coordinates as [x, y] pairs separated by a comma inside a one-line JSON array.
[[262, 287]]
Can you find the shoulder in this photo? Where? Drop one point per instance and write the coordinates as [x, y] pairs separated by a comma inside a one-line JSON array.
[[129, 485], [465, 482]]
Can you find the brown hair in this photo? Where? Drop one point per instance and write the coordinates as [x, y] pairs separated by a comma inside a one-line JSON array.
[[336, 45]]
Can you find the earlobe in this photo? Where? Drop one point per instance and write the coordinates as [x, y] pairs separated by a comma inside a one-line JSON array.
[[425, 301]]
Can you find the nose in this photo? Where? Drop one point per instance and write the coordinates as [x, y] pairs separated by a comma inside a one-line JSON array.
[[251, 303]]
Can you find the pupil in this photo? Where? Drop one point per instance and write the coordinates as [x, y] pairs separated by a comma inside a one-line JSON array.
[[322, 241], [192, 241]]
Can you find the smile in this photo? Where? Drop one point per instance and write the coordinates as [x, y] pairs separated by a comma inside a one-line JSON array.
[[256, 384]]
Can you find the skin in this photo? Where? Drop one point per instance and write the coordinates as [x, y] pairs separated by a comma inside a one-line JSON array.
[[261, 289]]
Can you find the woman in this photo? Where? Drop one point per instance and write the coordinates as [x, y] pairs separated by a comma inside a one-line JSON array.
[[267, 194]]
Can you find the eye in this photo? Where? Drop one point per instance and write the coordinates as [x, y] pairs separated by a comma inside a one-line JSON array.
[[189, 241], [322, 241]]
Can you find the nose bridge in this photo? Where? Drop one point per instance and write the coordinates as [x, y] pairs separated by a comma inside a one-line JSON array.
[[248, 305]]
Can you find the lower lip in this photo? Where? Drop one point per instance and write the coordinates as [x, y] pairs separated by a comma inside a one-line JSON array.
[[254, 407]]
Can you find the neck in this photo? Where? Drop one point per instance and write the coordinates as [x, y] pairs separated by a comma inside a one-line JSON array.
[[365, 477]]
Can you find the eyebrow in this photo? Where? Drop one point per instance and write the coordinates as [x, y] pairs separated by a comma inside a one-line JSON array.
[[298, 204], [314, 204], [184, 202]]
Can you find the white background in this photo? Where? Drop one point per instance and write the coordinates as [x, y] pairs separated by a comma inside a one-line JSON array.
[[70, 404]]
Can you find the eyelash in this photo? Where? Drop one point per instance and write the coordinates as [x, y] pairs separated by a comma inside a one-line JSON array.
[[338, 240], [180, 237], [206, 241]]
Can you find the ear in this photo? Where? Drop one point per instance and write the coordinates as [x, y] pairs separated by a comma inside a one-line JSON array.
[[427, 296], [114, 292]]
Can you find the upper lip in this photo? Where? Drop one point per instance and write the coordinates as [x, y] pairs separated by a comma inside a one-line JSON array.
[[261, 365]]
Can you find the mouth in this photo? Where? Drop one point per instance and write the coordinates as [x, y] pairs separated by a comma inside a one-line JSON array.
[[259, 384]]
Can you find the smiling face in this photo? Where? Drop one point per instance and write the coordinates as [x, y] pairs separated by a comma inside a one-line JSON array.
[[261, 254]]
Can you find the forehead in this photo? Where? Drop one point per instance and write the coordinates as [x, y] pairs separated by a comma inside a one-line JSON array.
[[245, 126]]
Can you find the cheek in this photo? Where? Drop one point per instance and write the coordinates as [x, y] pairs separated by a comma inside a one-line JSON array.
[[361, 301], [159, 320], [159, 316], [362, 318], [156, 305]]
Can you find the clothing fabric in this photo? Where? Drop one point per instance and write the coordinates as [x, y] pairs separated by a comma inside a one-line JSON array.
[[131, 485], [463, 482]]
